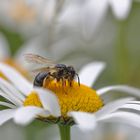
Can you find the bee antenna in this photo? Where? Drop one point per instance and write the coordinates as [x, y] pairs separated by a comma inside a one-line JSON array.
[[78, 79]]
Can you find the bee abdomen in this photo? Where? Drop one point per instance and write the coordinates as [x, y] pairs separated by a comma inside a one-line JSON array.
[[38, 81]]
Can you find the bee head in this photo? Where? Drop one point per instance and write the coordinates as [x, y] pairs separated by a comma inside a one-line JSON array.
[[62, 69], [71, 71]]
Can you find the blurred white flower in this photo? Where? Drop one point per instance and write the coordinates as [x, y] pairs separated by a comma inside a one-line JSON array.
[[6, 57], [33, 16], [120, 8], [90, 13], [25, 105], [27, 16], [81, 24], [83, 15], [75, 27]]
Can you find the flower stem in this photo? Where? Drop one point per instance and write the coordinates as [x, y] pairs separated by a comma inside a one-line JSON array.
[[64, 132]]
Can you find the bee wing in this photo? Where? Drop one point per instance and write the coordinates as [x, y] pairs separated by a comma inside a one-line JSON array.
[[34, 58], [44, 69]]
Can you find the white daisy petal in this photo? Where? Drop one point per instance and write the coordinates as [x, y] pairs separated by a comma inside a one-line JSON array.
[[12, 89], [7, 97], [92, 15], [90, 73], [26, 115], [134, 102], [111, 107], [16, 78], [70, 10], [86, 15], [85, 121], [49, 101], [120, 88], [123, 117], [131, 106], [6, 115], [121, 8], [15, 100], [7, 104], [5, 89]]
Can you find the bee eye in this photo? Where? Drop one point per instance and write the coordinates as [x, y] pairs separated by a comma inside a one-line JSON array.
[[70, 68]]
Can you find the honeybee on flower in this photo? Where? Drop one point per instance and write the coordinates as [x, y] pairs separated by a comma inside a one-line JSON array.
[[58, 72], [81, 105]]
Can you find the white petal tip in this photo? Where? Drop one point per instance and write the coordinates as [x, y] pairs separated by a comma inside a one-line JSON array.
[[90, 72], [26, 115], [49, 101], [121, 8], [85, 121]]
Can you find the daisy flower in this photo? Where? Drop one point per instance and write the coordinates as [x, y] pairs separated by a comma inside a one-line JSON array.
[[65, 105], [76, 11], [27, 17], [85, 17]]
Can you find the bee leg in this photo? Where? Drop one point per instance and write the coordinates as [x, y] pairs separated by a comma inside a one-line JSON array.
[[63, 82], [64, 85], [78, 79], [70, 83], [58, 79]]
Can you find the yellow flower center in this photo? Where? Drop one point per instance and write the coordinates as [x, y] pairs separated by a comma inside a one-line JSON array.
[[32, 99], [74, 98]]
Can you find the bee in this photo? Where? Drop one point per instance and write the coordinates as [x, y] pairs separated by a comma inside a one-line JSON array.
[[52, 71]]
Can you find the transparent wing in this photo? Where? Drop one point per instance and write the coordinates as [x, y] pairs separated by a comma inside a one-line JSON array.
[[44, 69], [37, 59]]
